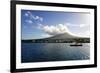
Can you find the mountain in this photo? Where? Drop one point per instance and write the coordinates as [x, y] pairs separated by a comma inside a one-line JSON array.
[[63, 36], [60, 38]]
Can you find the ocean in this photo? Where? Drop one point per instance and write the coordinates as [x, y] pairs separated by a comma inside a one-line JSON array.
[[45, 52]]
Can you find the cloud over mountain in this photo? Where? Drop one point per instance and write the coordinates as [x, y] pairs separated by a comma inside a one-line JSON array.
[[62, 28], [54, 29]]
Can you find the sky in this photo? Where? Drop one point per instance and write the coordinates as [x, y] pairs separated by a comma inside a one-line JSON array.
[[37, 24]]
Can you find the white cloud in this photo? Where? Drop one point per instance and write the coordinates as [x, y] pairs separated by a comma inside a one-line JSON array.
[[29, 21], [26, 14], [54, 29], [62, 28], [83, 25], [77, 25], [34, 17]]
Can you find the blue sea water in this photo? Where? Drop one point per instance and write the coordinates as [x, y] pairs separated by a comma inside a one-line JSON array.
[[43, 52]]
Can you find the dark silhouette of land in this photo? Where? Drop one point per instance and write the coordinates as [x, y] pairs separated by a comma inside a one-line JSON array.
[[60, 38]]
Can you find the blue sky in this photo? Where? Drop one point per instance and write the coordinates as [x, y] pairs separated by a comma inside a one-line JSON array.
[[41, 24]]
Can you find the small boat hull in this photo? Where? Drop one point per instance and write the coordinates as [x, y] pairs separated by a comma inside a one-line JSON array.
[[76, 45]]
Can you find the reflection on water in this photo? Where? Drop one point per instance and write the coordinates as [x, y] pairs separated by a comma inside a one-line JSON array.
[[41, 52]]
